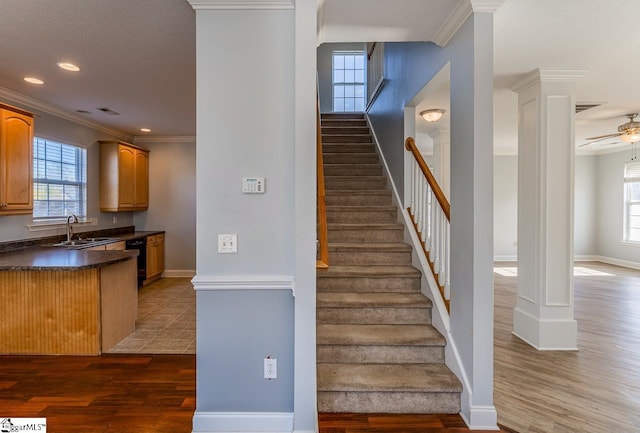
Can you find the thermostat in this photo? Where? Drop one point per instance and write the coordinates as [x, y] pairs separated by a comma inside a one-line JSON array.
[[253, 185]]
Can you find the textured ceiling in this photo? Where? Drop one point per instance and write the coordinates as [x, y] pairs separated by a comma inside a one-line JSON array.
[[137, 58]]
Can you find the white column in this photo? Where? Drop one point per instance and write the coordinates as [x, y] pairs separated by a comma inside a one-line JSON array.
[[543, 316]]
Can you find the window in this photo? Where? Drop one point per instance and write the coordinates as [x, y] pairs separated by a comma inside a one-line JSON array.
[[59, 180], [348, 81], [632, 202]]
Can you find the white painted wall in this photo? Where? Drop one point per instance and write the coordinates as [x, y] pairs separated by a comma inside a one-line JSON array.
[[505, 207], [13, 227], [172, 202]]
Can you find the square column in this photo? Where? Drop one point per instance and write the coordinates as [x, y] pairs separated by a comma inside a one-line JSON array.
[[543, 316]]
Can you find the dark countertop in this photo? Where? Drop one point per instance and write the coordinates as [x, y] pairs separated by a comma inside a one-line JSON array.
[[61, 259], [47, 258]]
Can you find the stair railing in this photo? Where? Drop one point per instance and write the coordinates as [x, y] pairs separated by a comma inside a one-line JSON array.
[[322, 235], [430, 213]]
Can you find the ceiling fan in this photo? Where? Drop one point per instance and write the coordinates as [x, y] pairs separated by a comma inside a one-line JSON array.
[[628, 132]]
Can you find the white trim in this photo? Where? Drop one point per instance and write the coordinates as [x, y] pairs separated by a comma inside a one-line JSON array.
[[242, 422], [241, 4], [459, 15], [505, 258], [538, 75], [164, 139], [630, 244], [482, 418], [617, 262], [36, 104], [486, 6], [179, 273], [243, 282]]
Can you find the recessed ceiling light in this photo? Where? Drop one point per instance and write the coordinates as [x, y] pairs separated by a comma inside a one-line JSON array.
[[145, 130], [68, 66], [33, 80]]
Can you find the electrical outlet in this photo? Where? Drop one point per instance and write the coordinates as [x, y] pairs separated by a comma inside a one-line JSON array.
[[270, 368]]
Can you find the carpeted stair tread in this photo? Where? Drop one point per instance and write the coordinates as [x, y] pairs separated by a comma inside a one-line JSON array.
[[369, 271], [418, 378], [369, 246], [365, 226], [379, 335], [352, 300]]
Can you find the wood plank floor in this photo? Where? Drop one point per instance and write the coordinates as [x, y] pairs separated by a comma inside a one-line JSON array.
[[97, 394], [593, 390], [391, 423]]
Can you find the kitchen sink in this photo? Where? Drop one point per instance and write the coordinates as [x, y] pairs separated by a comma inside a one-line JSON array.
[[84, 243]]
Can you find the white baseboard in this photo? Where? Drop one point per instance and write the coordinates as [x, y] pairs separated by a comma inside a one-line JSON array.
[[242, 422], [617, 262], [583, 258], [179, 273], [505, 258], [482, 418]]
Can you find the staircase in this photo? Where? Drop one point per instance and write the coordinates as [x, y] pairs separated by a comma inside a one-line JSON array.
[[376, 349]]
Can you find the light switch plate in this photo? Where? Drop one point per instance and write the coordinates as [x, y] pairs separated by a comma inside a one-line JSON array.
[[228, 244]]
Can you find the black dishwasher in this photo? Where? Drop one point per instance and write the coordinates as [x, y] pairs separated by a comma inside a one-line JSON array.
[[140, 244]]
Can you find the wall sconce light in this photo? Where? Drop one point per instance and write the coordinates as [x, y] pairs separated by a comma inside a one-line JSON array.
[[432, 115]]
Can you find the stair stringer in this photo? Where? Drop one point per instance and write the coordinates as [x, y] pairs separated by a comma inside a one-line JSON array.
[[440, 316]]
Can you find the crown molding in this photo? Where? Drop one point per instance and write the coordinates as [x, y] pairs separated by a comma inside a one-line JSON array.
[[241, 4], [459, 15], [463, 10], [37, 104], [539, 75], [164, 139], [486, 6]]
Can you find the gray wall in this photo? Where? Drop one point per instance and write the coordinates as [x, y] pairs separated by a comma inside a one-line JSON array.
[[506, 207], [172, 203], [325, 70], [54, 128], [245, 128]]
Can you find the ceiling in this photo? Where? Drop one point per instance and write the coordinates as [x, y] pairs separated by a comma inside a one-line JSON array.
[[137, 57]]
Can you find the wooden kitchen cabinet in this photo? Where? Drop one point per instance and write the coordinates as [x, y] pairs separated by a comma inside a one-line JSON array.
[[16, 161], [124, 177], [155, 257]]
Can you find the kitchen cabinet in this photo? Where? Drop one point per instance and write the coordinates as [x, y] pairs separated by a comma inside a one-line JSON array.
[[155, 257], [16, 161], [124, 177]]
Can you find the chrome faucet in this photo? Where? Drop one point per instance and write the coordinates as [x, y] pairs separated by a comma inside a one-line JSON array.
[[71, 219]]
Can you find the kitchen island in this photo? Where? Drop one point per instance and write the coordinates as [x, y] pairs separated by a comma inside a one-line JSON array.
[[66, 301]]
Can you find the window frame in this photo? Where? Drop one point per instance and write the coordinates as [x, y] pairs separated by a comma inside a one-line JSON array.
[[631, 177], [80, 167]]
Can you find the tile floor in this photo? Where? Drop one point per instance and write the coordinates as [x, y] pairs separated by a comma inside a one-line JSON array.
[[166, 319]]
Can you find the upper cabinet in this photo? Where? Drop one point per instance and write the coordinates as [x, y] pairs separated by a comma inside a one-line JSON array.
[[16, 161], [124, 177]]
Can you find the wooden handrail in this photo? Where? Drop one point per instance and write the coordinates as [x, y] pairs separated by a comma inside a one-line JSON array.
[[323, 238], [410, 145]]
